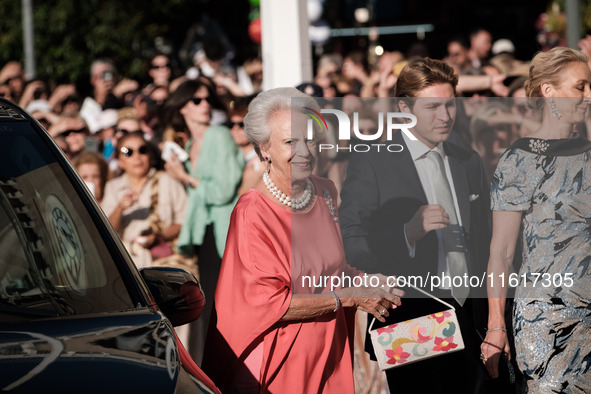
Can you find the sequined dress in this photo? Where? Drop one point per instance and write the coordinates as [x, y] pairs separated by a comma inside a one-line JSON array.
[[550, 182]]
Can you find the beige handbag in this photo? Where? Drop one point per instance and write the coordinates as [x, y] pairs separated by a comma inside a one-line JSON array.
[[417, 339]]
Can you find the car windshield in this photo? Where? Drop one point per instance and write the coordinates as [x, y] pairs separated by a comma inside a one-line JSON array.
[[53, 260]]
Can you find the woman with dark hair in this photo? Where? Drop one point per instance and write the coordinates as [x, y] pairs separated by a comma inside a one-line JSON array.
[[211, 175], [160, 72], [128, 199]]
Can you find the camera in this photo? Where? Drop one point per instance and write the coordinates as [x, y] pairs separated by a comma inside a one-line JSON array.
[[37, 94], [108, 75]]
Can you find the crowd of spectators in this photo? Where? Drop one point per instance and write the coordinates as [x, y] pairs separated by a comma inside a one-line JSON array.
[[122, 126], [118, 105]]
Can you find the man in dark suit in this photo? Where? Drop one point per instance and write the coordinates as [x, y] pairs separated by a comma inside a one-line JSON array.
[[393, 222]]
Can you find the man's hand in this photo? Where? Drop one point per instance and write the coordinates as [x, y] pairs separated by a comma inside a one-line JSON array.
[[427, 218]]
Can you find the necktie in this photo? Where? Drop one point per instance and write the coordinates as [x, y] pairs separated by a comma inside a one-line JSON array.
[[453, 236]]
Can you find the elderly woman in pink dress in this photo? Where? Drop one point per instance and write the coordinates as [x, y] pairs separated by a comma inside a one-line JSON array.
[[273, 330]]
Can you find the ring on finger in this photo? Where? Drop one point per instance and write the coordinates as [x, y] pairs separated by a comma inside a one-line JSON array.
[[383, 311], [483, 358]]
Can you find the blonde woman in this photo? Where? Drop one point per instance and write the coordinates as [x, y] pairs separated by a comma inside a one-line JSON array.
[[541, 193]]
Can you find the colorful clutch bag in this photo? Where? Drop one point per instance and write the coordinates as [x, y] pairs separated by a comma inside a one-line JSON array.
[[417, 339]]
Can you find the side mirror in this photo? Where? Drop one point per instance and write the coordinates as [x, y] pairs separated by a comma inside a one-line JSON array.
[[177, 293]]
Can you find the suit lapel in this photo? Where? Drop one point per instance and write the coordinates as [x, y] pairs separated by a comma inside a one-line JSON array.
[[460, 179]]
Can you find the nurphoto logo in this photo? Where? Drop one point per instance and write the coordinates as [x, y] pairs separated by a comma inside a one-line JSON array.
[[394, 122]]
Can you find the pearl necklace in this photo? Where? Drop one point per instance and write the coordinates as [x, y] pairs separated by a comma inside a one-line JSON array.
[[295, 203]]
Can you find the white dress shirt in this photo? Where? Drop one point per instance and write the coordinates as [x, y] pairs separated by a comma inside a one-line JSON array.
[[418, 151]]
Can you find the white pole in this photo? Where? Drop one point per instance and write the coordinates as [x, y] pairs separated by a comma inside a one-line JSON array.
[[573, 23], [287, 54], [27, 6]]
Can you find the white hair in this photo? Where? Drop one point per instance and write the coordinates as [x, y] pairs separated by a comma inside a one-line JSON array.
[[265, 105]]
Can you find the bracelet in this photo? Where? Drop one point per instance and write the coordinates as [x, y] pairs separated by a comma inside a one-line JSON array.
[[337, 300], [496, 329]]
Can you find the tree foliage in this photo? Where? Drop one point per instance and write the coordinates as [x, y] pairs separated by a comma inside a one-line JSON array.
[[69, 34]]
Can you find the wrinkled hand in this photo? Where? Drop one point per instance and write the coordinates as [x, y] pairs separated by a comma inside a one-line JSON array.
[[495, 343], [427, 218], [373, 300]]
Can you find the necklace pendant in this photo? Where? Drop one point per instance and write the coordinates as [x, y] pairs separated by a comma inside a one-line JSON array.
[[331, 205]]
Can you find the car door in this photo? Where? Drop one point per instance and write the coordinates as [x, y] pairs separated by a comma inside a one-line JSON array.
[[75, 315]]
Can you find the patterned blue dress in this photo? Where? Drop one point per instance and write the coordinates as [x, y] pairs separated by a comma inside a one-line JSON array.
[[549, 181]]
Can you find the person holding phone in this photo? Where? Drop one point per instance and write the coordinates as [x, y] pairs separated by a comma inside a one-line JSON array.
[[212, 175], [108, 91]]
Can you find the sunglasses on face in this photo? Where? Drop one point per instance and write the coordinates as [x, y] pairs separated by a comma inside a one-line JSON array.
[[231, 124], [68, 132], [158, 66], [128, 152], [125, 131], [198, 100]]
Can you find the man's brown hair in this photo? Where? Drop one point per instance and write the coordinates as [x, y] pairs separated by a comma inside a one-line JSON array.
[[420, 73]]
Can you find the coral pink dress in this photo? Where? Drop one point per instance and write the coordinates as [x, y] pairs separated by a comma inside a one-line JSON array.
[[269, 251]]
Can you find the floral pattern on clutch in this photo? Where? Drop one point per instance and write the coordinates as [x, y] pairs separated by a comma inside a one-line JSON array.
[[417, 339]]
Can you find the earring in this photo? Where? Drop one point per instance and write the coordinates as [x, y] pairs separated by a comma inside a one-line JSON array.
[[267, 158], [553, 110]]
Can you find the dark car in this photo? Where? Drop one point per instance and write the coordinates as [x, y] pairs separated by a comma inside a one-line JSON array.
[[76, 316]]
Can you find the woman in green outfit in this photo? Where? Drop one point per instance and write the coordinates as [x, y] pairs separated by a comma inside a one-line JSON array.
[[212, 175]]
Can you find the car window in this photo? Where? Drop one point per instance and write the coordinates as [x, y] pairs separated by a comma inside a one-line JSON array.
[[53, 260]]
